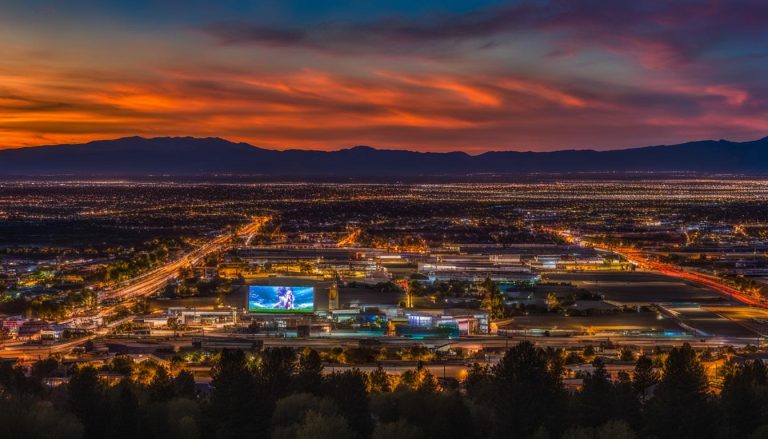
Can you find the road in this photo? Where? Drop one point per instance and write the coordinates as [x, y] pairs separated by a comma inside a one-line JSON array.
[[34, 352], [489, 341], [151, 282], [140, 286], [639, 258], [712, 282]]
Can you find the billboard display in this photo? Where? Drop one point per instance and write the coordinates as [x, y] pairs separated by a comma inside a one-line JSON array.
[[278, 300]]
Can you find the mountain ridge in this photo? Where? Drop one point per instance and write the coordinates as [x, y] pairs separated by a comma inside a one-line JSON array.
[[189, 156]]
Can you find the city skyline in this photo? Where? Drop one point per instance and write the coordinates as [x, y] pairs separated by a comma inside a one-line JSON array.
[[437, 76]]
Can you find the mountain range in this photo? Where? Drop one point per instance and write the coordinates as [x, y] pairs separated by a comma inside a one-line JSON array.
[[189, 156]]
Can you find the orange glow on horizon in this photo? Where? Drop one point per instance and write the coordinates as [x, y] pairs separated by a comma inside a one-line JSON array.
[[310, 108]]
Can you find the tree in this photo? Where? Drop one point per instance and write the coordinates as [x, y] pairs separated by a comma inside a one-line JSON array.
[[627, 406], [145, 372], [645, 377], [626, 355], [529, 392], [316, 426], [397, 430], [680, 407], [86, 400], [760, 433], [553, 303], [419, 379], [417, 288], [615, 430], [493, 301], [37, 420], [181, 416], [44, 368], [378, 381], [579, 432], [122, 364], [303, 415], [479, 383], [609, 430], [309, 373], [274, 372], [434, 414], [14, 382], [451, 417], [235, 410], [348, 390], [595, 400], [124, 425], [184, 385], [291, 411], [293, 407], [744, 398], [162, 387]]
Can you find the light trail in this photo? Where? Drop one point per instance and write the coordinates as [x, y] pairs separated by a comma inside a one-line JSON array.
[[151, 282], [711, 282], [350, 238], [638, 258]]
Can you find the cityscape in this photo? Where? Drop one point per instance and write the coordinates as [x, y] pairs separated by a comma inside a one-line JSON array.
[[196, 242], [412, 284]]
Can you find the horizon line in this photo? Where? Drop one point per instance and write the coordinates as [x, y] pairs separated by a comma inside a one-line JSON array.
[[347, 148]]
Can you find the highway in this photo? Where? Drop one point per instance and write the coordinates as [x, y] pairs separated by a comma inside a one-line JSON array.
[[712, 282], [476, 342], [140, 286], [638, 258], [26, 352], [151, 282]]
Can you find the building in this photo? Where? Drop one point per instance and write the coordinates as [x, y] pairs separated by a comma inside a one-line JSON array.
[[203, 317], [52, 332], [448, 323]]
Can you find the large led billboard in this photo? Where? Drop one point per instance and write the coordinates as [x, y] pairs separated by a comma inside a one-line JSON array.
[[269, 299]]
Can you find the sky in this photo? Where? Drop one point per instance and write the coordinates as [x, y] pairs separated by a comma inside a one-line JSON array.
[[423, 75]]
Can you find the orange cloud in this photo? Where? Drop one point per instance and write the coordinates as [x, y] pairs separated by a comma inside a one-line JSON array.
[[471, 93], [543, 91], [336, 107]]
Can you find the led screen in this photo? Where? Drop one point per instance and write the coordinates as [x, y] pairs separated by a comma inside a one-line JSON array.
[[271, 299]]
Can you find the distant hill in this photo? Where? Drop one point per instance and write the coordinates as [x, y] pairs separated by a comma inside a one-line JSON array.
[[188, 156]]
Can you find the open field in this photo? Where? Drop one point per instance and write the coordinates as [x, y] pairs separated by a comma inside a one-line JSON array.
[[638, 287]]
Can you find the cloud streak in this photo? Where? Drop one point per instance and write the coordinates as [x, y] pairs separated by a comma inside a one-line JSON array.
[[661, 32]]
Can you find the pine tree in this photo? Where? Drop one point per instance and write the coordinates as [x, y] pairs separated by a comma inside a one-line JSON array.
[[595, 400], [528, 392], [680, 408], [184, 385], [234, 409], [378, 381], [87, 402], [309, 372], [161, 388], [744, 398], [126, 409], [348, 390], [644, 378]]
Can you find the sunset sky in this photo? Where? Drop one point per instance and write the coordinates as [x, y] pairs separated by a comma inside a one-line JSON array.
[[424, 75]]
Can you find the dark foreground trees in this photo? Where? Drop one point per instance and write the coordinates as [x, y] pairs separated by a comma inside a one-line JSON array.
[[682, 391], [527, 392], [280, 394]]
